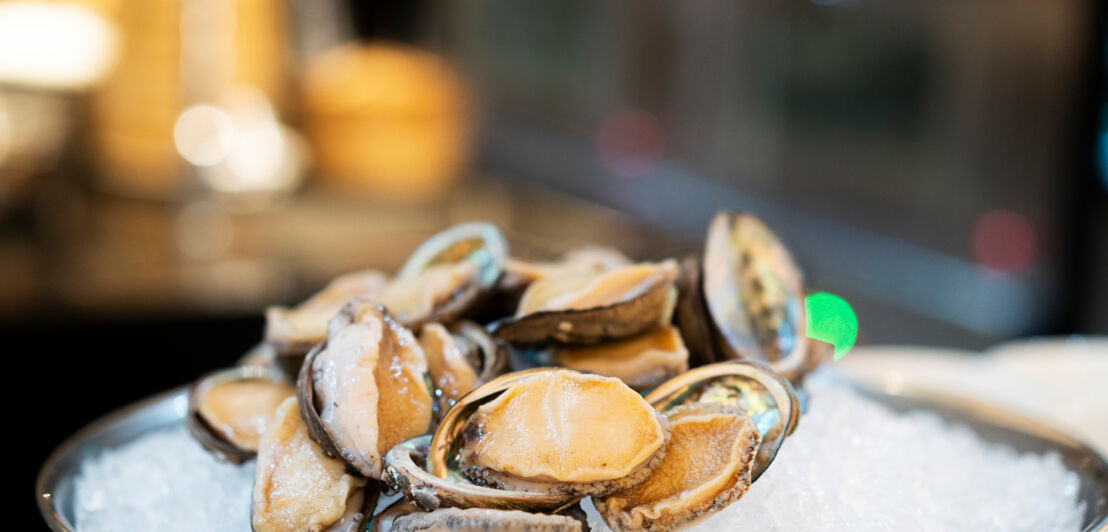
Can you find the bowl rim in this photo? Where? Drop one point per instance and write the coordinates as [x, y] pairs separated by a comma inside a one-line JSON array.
[[49, 474]]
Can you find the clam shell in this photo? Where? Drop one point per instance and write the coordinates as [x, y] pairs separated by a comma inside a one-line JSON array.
[[480, 242], [428, 471], [202, 431], [754, 293], [691, 314], [285, 327], [307, 396], [721, 476], [461, 431], [641, 362], [622, 319], [765, 396], [407, 471]]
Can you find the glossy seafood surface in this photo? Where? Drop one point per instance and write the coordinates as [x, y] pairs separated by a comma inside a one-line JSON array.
[[754, 293]]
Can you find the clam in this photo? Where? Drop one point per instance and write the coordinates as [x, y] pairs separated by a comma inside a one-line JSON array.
[[707, 465], [406, 471], [562, 430], [587, 308], [519, 273], [754, 293], [293, 332], [642, 362], [230, 409], [484, 519], [365, 388], [447, 275], [768, 399], [297, 487], [459, 361], [537, 439]]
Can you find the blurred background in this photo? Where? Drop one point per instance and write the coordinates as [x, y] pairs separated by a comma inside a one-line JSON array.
[[169, 168]]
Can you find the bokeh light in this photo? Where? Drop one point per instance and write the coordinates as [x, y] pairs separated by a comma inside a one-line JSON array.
[[1003, 241], [629, 142], [830, 319], [204, 134]]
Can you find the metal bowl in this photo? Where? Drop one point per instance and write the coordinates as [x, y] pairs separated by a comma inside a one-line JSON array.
[[55, 486]]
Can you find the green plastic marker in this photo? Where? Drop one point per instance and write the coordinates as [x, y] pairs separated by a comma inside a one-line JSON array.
[[830, 319]]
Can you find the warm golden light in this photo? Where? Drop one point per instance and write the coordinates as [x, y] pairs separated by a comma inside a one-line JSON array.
[[388, 119], [53, 45], [203, 134]]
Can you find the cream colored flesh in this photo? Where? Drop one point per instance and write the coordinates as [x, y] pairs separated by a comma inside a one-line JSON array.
[[449, 369], [707, 465], [370, 389], [578, 291], [641, 362], [297, 488], [240, 410], [564, 426], [589, 259], [307, 323], [415, 297]]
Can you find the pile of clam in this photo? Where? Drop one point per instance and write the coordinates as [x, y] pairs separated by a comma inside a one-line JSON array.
[[496, 393]]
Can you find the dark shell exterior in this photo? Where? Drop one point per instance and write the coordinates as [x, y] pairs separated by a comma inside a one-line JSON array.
[[309, 411], [594, 325], [691, 314], [406, 471]]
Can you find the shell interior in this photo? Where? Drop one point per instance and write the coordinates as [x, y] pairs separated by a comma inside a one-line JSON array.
[[707, 466], [767, 398], [754, 292]]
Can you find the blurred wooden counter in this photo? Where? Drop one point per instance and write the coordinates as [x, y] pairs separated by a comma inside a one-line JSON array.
[[79, 253]]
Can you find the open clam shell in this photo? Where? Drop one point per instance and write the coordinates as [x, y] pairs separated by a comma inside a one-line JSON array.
[[431, 473], [479, 244], [763, 395], [754, 293], [639, 308], [398, 377], [406, 470], [204, 430], [292, 332], [426, 468]]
